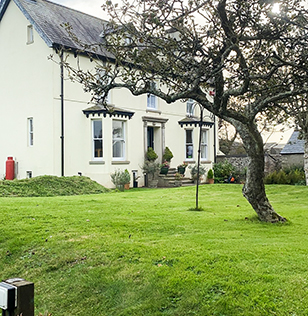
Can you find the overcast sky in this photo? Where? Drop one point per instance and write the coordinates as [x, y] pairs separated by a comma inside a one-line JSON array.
[[92, 7]]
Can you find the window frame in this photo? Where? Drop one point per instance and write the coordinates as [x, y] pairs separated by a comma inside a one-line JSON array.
[[204, 144], [190, 110], [30, 34], [122, 140], [152, 101], [189, 144], [94, 139], [30, 132]]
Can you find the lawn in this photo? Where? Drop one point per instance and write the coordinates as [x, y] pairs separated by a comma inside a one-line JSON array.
[[142, 252]]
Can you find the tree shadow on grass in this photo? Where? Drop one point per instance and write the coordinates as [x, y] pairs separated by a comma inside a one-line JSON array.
[[196, 209]]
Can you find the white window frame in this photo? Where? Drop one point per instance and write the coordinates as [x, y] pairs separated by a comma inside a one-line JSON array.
[[30, 132], [152, 99], [189, 144], [30, 34], [97, 138], [190, 109], [122, 141], [204, 144]]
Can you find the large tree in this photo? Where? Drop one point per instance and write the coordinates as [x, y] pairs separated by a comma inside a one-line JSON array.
[[247, 51]]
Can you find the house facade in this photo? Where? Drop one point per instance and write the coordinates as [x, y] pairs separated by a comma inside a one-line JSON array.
[[48, 123]]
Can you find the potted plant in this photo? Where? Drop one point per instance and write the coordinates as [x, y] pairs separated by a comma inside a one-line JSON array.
[[151, 168], [194, 172], [164, 167], [182, 167], [119, 178], [210, 176], [167, 156], [151, 154], [126, 185]]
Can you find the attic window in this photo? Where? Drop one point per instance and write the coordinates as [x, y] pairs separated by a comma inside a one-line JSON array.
[[30, 37]]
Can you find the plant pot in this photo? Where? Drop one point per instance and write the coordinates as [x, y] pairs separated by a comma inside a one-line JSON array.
[[164, 170], [152, 184], [210, 181], [177, 183], [126, 186], [181, 170], [120, 187]]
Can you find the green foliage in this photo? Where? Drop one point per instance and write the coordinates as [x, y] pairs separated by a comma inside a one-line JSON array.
[[151, 154], [142, 253], [223, 170], [293, 176], [210, 174], [194, 171], [151, 168], [167, 154], [119, 178], [50, 186]]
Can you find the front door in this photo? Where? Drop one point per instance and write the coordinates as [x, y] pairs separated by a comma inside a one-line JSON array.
[[150, 135]]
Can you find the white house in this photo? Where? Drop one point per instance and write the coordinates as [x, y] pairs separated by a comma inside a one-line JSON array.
[[46, 121]]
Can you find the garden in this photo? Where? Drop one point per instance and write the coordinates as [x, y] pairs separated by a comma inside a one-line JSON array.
[[146, 252]]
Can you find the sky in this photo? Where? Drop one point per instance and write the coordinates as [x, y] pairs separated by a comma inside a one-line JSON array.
[[92, 7]]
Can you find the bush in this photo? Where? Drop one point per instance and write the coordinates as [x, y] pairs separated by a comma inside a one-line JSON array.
[[119, 178], [194, 171], [151, 154], [167, 154], [292, 176], [210, 174], [223, 170]]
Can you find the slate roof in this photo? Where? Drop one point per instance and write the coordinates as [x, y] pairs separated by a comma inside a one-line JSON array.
[[47, 17], [294, 145]]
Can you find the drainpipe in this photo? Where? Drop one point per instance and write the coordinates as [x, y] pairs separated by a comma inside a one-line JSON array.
[[62, 113], [215, 146]]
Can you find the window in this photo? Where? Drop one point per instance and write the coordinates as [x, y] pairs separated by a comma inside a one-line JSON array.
[[30, 131], [189, 144], [204, 144], [97, 139], [190, 107], [100, 72], [118, 140], [30, 36], [152, 99]]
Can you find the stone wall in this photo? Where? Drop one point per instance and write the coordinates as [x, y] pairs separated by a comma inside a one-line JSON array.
[[272, 161]]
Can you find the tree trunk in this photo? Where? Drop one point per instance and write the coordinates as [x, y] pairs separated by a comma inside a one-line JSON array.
[[306, 159], [254, 189]]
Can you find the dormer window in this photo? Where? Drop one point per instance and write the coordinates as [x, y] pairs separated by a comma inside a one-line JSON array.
[[190, 107], [152, 99], [30, 36]]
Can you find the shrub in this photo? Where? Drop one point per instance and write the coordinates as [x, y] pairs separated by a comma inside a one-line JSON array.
[[151, 168], [151, 154], [293, 176], [194, 171], [223, 170], [119, 178], [167, 154], [210, 174]]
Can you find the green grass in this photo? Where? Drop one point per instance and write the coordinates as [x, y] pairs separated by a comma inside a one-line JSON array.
[[145, 252]]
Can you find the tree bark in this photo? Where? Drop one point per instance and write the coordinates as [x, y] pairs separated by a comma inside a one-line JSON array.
[[254, 189]]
